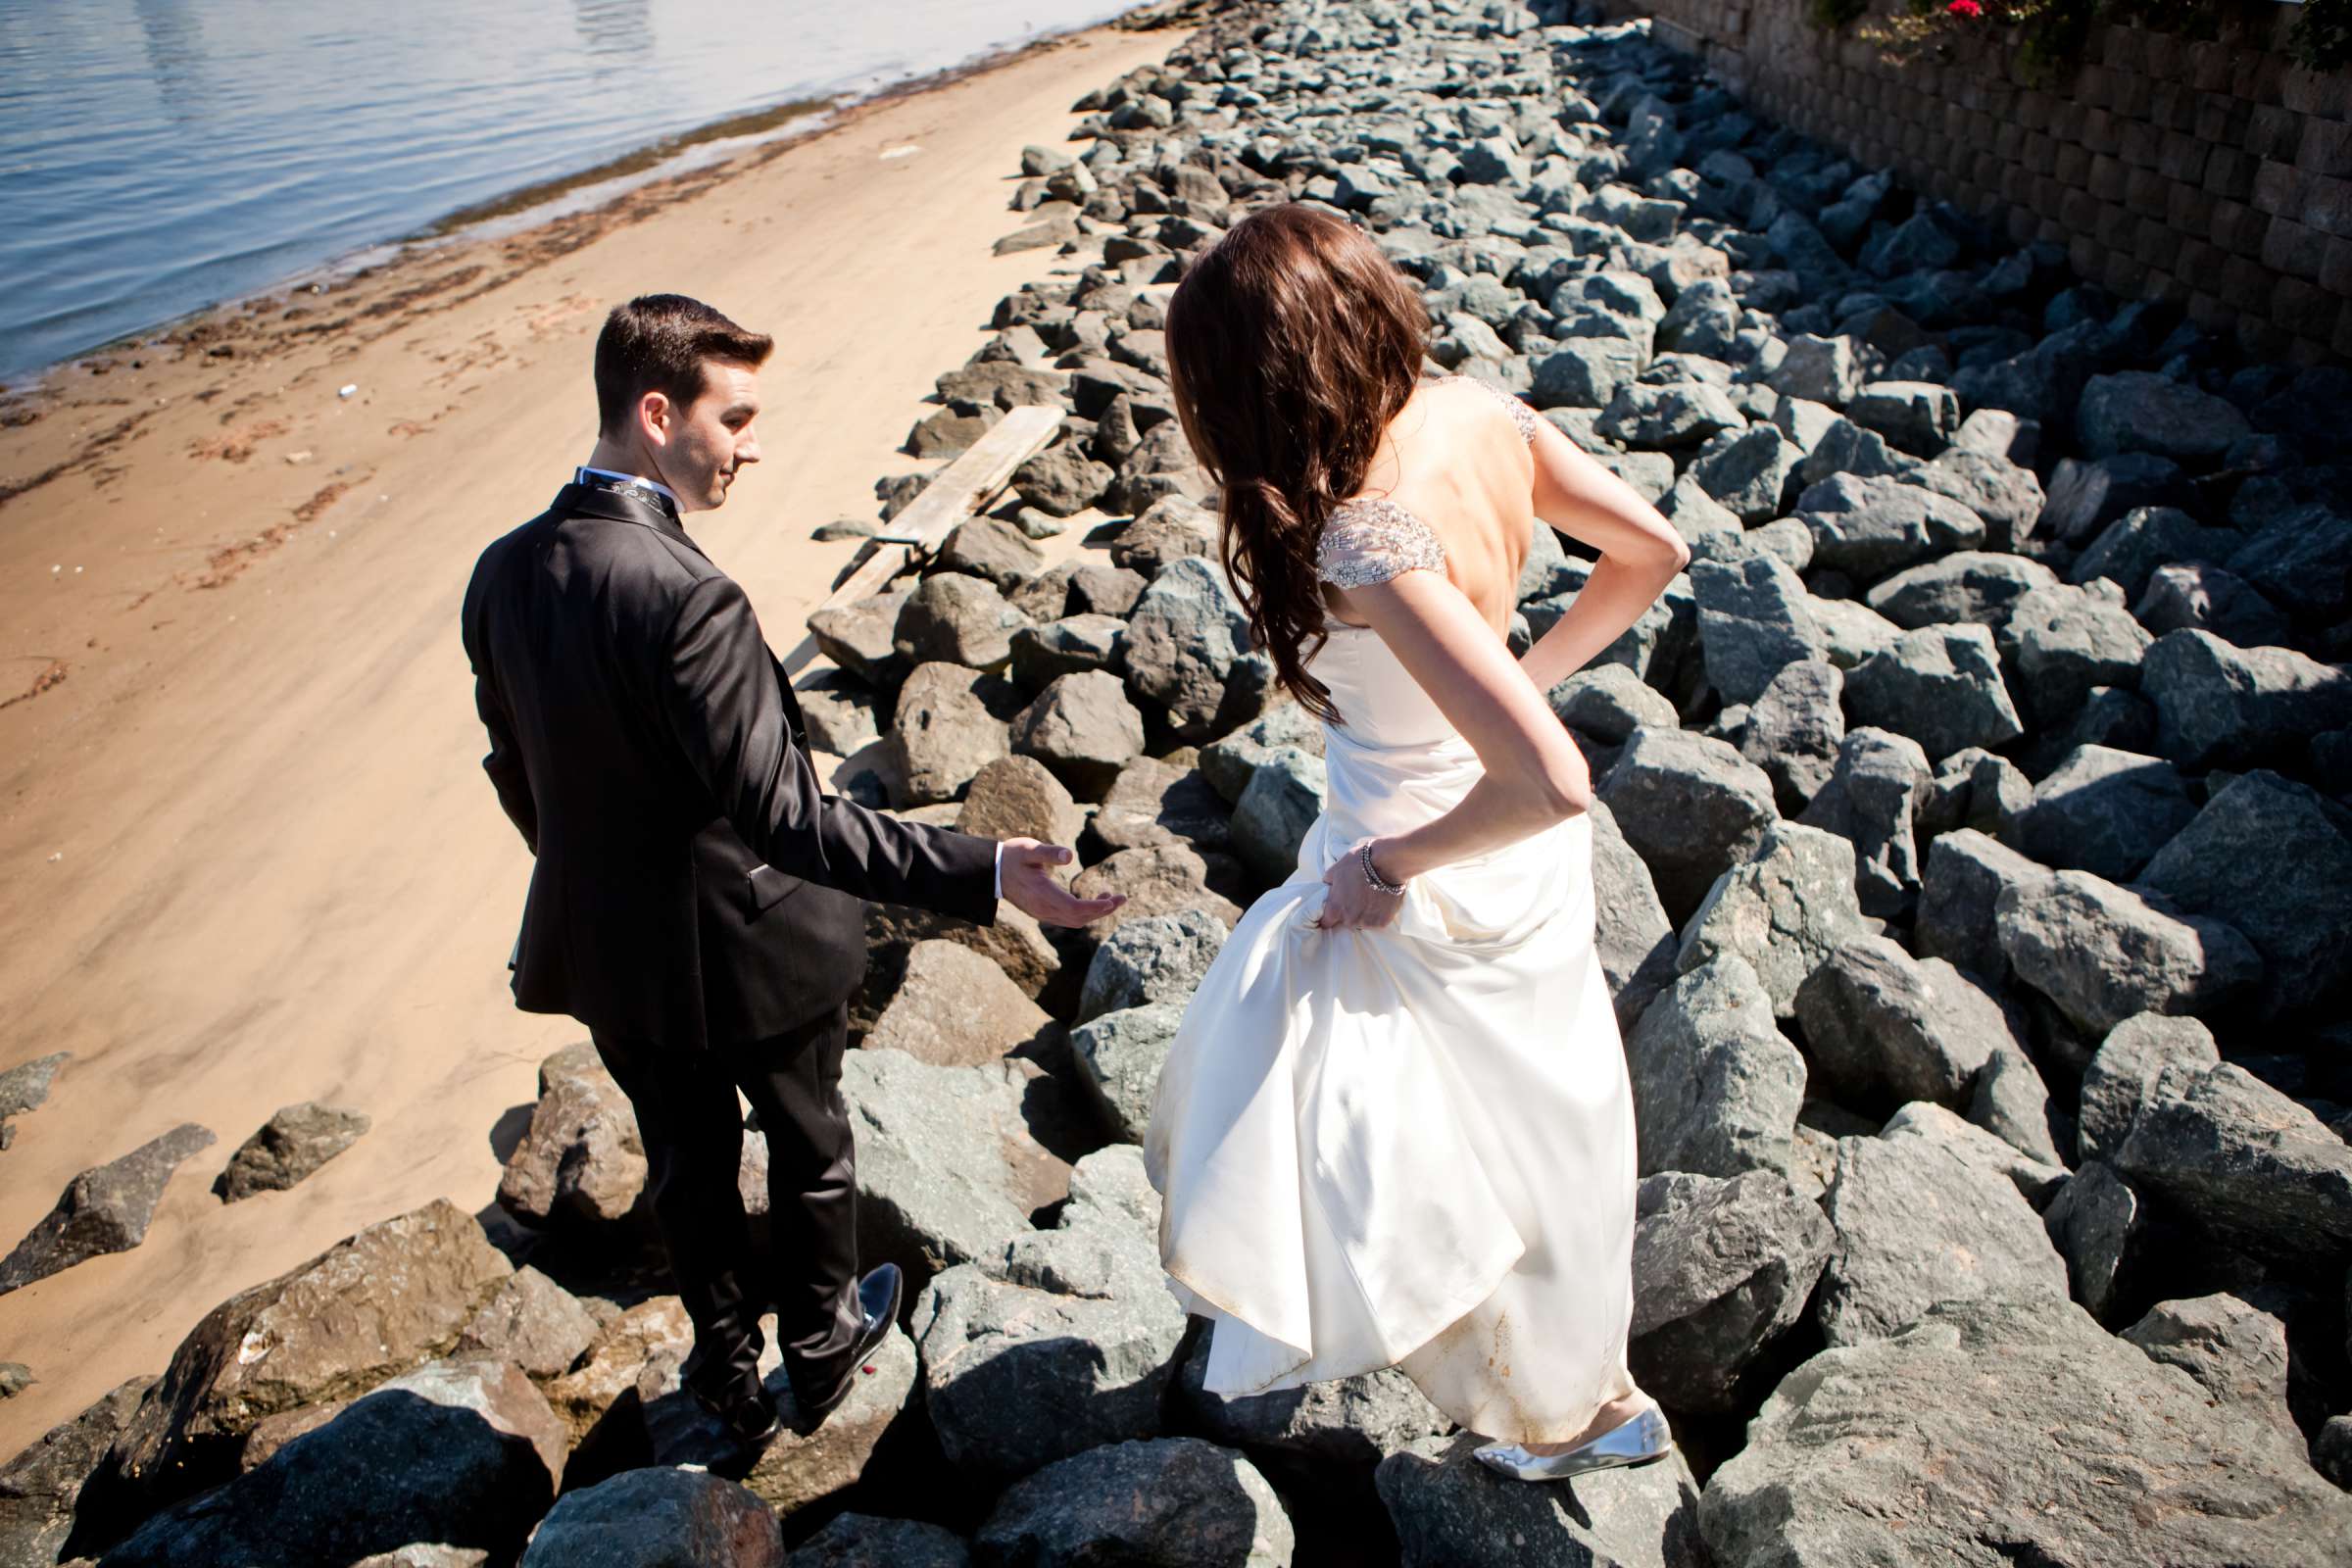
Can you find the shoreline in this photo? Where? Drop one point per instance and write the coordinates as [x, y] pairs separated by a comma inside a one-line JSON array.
[[763, 132], [252, 860]]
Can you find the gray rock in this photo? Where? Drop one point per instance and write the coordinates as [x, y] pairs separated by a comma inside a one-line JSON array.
[[1716, 1083], [1119, 1057], [106, 1210], [1919, 417], [993, 549], [1851, 630], [1082, 727], [954, 619], [1680, 414], [2121, 1071], [1721, 1268], [659, 1518], [1183, 640], [1753, 620], [1704, 319], [1939, 685], [1282, 800], [2086, 494], [1353, 1422], [43, 1487], [581, 1163], [1585, 373], [655, 1331], [2249, 1165], [1795, 730], [955, 1008], [1881, 1027], [1168, 1503], [1830, 1474], [2066, 640], [2199, 594], [2128, 549], [2234, 1349], [1156, 879], [1017, 797], [2036, 1181], [2298, 561], [376, 1304], [2005, 495], [1159, 959], [1229, 763], [863, 638], [950, 724], [1822, 370], [1785, 909], [1063, 480], [1749, 472], [1869, 527], [1690, 805], [2137, 411], [1966, 872], [463, 1451], [2270, 858], [2218, 706], [1633, 938], [532, 1322], [1870, 800], [290, 1145], [1918, 1226], [1057, 1343], [840, 710], [1155, 802], [2109, 812], [1608, 702], [947, 1169], [1168, 531], [25, 1087], [2012, 1101], [1967, 585], [2098, 1225], [1097, 589], [2103, 953], [1068, 647], [1451, 1511]]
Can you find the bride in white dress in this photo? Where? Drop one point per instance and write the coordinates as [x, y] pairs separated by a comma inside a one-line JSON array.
[[1395, 1127]]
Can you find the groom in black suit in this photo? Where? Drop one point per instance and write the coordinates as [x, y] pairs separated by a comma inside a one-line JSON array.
[[697, 900]]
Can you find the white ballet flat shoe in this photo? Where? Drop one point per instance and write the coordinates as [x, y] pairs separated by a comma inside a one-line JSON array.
[[1637, 1440]]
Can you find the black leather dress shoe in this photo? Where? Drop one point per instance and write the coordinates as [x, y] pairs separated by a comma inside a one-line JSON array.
[[749, 1416], [878, 1304]]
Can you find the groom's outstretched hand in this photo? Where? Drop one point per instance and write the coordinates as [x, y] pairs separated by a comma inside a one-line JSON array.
[[1032, 887]]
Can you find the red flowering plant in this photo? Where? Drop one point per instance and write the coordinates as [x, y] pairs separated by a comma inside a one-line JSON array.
[[2049, 34]]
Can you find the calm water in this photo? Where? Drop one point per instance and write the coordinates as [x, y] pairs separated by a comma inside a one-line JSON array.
[[157, 156]]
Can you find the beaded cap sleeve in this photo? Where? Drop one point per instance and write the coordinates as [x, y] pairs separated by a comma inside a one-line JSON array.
[[1372, 540]]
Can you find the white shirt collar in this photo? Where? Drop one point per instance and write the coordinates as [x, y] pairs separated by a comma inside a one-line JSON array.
[[631, 478]]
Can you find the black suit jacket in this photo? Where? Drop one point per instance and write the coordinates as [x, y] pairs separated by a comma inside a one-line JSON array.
[[694, 882]]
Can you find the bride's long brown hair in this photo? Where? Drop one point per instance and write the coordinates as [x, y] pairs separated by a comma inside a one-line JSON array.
[[1291, 343]]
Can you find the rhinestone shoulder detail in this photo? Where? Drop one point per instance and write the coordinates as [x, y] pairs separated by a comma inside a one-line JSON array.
[[1521, 414], [1372, 540]]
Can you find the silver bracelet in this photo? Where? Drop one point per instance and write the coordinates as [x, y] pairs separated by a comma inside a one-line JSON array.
[[1363, 852]]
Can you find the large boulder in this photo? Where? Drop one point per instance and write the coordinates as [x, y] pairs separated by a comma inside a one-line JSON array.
[[1184, 640], [659, 1518], [531, 1321], [2065, 642], [1916, 1226], [1882, 1028], [1716, 1085], [1872, 527], [955, 1008], [1344, 1422], [1690, 805], [946, 1168], [1785, 909], [1451, 1511], [464, 1453], [2220, 706], [1158, 802], [950, 724], [581, 1163], [2106, 811], [1157, 960], [2122, 1069], [1911, 1449], [2234, 1349], [373, 1305], [863, 637], [1721, 1267], [1939, 685], [1156, 879], [605, 1377], [1119, 1056], [2103, 951], [1282, 800], [1966, 873], [956, 620], [103, 1210], [289, 1147], [2271, 858], [1794, 730], [1968, 585], [1017, 797], [1166, 1502], [1232, 761], [1084, 729], [44, 1488], [866, 1540], [2141, 411], [1753, 622], [1871, 799]]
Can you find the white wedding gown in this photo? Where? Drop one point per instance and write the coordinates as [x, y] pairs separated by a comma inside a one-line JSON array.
[[1411, 1147]]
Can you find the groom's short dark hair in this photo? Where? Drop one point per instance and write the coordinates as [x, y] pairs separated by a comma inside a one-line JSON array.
[[659, 343]]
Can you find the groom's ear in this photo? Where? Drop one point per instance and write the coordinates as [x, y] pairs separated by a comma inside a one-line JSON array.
[[656, 416]]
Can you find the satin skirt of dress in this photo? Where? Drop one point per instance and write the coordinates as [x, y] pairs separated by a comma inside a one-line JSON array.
[[1412, 1146]]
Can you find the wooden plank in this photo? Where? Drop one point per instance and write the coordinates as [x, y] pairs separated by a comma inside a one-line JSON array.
[[958, 492]]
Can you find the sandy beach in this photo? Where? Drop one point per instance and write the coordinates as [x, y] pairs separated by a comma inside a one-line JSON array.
[[249, 855]]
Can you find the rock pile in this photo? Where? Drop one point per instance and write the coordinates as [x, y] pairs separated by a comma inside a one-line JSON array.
[[1975, 819]]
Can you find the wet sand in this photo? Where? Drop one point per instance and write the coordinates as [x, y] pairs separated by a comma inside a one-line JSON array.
[[250, 857]]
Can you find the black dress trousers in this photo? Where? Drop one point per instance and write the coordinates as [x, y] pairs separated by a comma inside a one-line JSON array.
[[693, 1133]]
